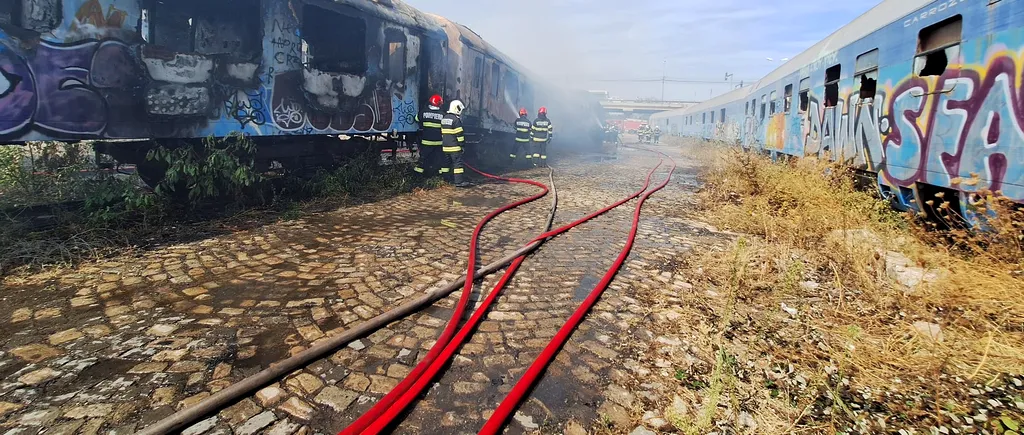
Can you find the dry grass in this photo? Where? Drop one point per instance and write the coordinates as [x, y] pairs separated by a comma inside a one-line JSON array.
[[833, 254]]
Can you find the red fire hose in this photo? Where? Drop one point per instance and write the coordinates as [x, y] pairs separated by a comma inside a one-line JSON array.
[[422, 377], [449, 330], [497, 420]]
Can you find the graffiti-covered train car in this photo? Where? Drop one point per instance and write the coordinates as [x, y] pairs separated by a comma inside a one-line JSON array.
[[918, 95], [134, 73]]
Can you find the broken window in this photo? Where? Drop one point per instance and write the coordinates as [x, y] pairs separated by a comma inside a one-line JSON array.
[[202, 26], [805, 93], [478, 71], [788, 97], [394, 55], [771, 104], [832, 86], [867, 74], [323, 30], [495, 79], [512, 87], [763, 98], [938, 45], [10, 12]]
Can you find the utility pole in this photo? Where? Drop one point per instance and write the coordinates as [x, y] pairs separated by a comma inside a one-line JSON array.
[[663, 64]]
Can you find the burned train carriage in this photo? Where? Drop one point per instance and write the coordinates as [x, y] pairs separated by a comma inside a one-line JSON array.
[[132, 73]]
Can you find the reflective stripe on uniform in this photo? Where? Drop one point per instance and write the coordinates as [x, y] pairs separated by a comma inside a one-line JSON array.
[[512, 156], [540, 139], [432, 124], [544, 157], [536, 155], [418, 169], [518, 139], [524, 130], [445, 170], [535, 128], [458, 171], [452, 130], [431, 142], [529, 156], [461, 139], [451, 149]]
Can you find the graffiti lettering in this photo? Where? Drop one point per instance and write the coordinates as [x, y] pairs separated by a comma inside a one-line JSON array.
[[74, 89]]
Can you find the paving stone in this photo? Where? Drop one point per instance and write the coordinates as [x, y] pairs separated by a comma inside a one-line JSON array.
[[148, 367], [36, 352], [336, 398], [283, 427], [297, 408], [270, 396], [162, 330], [97, 410], [304, 382], [201, 427], [65, 336], [256, 423], [21, 315], [38, 376]]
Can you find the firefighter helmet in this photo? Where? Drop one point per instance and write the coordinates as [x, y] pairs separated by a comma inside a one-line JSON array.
[[522, 112], [543, 111], [436, 101], [456, 107]]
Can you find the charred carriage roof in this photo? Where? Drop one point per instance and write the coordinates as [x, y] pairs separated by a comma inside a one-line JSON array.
[[393, 11]]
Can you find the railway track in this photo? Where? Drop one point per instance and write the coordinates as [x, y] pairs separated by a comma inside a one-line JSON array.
[[506, 333]]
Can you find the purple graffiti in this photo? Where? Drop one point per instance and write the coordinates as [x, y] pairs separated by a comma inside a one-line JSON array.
[[65, 88]]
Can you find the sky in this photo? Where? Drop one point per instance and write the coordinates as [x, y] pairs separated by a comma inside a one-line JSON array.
[[595, 44]]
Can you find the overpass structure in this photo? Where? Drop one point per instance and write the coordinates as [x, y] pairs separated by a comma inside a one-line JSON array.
[[642, 109]]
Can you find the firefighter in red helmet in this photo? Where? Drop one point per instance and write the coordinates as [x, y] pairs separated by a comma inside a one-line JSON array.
[[542, 132], [523, 136], [431, 156]]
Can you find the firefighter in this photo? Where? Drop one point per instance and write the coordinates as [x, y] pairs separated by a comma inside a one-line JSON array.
[[523, 137], [453, 137], [657, 134], [542, 132], [430, 137]]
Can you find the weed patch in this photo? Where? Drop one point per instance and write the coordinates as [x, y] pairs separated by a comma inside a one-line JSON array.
[[865, 319]]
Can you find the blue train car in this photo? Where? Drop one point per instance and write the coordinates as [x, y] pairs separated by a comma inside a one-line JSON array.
[[339, 73], [918, 95]]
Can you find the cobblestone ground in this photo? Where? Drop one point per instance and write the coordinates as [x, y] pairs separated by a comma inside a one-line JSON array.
[[111, 347]]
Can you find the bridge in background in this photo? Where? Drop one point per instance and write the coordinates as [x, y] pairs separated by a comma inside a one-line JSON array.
[[640, 109]]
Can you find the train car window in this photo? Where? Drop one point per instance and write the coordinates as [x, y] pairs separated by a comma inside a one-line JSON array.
[[512, 87], [753, 107], [805, 93], [867, 74], [763, 98], [394, 54], [478, 72], [10, 12], [722, 117], [495, 79], [937, 46], [712, 117], [746, 109], [771, 104], [704, 118], [832, 85], [203, 26], [788, 96], [322, 29]]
